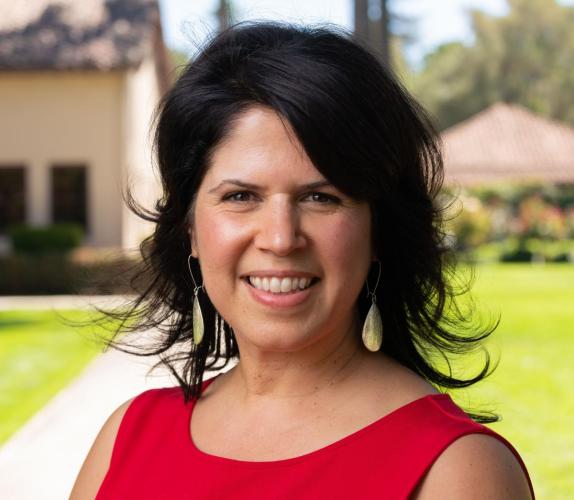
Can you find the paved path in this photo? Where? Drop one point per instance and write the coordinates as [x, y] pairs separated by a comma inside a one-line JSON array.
[[42, 460], [50, 302]]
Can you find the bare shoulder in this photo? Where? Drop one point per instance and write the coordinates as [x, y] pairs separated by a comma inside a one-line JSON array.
[[475, 466], [97, 461], [398, 384]]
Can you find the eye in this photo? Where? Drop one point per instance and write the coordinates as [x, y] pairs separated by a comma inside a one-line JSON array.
[[238, 196], [323, 198]]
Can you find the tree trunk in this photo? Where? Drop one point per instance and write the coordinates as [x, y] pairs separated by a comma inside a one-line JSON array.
[[372, 26], [362, 19], [385, 32], [224, 14]]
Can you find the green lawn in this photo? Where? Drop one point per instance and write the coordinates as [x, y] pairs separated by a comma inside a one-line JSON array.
[[532, 388], [39, 355]]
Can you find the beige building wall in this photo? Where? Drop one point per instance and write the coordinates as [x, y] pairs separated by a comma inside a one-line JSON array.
[[96, 119], [141, 96], [49, 118]]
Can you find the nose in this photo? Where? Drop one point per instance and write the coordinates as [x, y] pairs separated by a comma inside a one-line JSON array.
[[279, 228]]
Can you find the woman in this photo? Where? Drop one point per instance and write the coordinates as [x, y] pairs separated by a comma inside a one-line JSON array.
[[299, 233]]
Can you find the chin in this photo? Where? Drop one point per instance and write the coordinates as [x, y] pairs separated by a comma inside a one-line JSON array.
[[277, 339]]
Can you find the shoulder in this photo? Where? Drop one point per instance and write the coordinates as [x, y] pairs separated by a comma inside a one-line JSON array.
[[475, 466], [98, 459], [393, 384]]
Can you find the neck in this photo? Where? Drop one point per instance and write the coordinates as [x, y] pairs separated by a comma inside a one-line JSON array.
[[300, 374]]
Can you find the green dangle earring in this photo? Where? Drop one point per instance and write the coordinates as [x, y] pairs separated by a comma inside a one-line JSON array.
[[373, 326], [198, 326]]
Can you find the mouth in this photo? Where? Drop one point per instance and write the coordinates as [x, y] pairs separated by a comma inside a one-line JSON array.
[[280, 285]]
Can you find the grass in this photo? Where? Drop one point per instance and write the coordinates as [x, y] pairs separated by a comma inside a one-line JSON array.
[[39, 355], [532, 387]]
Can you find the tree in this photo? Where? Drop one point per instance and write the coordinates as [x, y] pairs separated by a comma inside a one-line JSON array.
[[372, 24], [525, 57], [386, 33], [224, 14]]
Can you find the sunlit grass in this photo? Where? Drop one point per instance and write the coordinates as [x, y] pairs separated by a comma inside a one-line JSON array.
[[39, 355], [532, 387]]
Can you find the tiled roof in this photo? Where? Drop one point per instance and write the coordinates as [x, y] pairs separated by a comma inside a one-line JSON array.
[[76, 34], [508, 143]]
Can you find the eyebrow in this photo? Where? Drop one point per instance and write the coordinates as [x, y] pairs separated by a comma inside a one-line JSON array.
[[248, 185]]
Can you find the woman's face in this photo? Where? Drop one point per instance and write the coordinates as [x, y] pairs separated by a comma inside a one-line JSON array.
[[263, 215]]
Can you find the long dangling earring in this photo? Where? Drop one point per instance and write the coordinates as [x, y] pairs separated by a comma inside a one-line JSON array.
[[373, 326], [198, 327]]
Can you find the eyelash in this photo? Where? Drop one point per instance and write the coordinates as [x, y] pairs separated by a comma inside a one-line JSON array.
[[329, 197]]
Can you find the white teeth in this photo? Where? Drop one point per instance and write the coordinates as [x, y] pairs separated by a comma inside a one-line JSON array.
[[279, 285]]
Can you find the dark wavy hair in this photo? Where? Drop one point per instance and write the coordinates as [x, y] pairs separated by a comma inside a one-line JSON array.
[[366, 134]]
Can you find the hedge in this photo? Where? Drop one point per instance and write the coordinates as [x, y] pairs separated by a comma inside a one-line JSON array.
[[58, 238], [58, 274]]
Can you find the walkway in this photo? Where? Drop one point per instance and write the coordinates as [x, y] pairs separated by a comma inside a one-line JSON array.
[[49, 302], [42, 460]]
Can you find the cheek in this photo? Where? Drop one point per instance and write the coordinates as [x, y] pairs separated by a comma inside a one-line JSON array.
[[346, 249], [349, 240], [219, 242]]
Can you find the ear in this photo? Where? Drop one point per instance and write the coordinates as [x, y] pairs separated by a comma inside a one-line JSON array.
[[193, 242]]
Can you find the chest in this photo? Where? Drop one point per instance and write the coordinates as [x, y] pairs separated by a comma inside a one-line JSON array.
[[270, 437]]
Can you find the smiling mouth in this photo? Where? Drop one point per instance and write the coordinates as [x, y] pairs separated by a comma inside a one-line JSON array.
[[280, 286]]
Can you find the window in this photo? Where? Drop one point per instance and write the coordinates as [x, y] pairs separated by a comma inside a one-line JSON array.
[[69, 200], [12, 196]]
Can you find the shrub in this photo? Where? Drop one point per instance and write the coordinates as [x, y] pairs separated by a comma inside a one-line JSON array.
[[536, 222], [58, 238], [523, 250], [470, 227], [518, 255], [27, 274]]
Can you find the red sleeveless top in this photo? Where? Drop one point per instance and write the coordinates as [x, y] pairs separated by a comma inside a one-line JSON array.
[[155, 458]]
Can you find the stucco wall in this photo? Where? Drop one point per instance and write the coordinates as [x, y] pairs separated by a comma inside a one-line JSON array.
[[142, 95], [49, 118]]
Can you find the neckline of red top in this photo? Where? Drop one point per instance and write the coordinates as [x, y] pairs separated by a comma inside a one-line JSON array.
[[320, 452]]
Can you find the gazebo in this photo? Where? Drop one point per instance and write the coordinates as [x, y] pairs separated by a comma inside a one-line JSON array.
[[508, 144]]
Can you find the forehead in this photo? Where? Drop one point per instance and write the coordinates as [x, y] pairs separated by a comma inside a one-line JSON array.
[[259, 142]]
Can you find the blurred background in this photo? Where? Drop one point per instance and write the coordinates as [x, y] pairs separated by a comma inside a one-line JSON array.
[[79, 82]]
